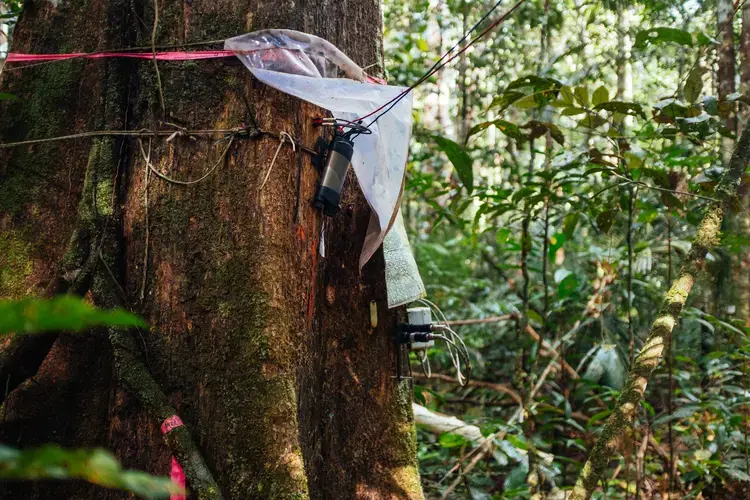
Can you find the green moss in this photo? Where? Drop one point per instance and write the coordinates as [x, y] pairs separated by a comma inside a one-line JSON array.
[[15, 264]]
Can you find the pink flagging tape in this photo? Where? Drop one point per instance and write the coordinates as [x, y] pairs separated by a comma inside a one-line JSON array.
[[177, 475], [171, 423], [14, 57]]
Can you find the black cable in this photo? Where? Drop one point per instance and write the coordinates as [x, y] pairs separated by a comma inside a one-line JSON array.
[[437, 66]]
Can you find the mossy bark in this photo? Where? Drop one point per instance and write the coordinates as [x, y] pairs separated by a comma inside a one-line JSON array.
[[264, 347], [650, 355]]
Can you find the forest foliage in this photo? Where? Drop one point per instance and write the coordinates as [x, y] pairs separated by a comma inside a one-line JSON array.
[[557, 175]]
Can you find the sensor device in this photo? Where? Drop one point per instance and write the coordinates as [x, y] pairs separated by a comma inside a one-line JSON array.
[[421, 319], [334, 175]]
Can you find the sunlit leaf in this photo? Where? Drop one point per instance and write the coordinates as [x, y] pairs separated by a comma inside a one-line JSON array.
[[582, 96], [63, 313], [572, 111], [658, 35], [95, 466], [600, 96], [451, 440], [506, 99], [566, 94], [525, 102]]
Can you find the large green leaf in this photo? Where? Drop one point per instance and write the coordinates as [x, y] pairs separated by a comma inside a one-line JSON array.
[[66, 313], [662, 34], [95, 466], [460, 159]]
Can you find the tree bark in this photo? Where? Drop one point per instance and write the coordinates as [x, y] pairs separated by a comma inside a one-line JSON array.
[[264, 348], [742, 270], [707, 236], [725, 73]]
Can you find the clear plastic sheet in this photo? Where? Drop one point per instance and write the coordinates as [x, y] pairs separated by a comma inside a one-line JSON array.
[[304, 66], [314, 70], [293, 52]]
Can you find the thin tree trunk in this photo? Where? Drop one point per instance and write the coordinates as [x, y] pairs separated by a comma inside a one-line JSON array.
[[707, 235], [725, 73], [742, 273], [264, 348]]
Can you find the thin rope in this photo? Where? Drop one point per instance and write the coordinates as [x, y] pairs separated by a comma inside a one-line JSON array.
[[442, 62], [194, 181], [284, 137], [154, 133]]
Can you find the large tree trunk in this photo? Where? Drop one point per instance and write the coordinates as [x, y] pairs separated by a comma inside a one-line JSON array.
[[266, 349]]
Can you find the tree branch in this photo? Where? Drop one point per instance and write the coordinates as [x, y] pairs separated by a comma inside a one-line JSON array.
[[707, 235], [474, 383]]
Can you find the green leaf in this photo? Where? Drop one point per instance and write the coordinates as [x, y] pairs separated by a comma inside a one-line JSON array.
[[600, 95], [599, 416], [582, 96], [627, 108], [535, 317], [506, 99], [694, 84], [592, 121], [527, 102], [460, 159], [555, 132], [566, 94], [419, 394], [658, 35], [66, 313], [4, 96], [572, 111], [451, 440], [96, 466], [569, 223], [556, 241], [502, 235], [509, 129], [567, 286], [605, 220], [537, 82]]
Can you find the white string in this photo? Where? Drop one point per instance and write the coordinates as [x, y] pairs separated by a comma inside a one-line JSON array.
[[451, 343], [283, 136]]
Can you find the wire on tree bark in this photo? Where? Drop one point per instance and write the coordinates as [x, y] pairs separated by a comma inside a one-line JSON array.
[[706, 236]]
